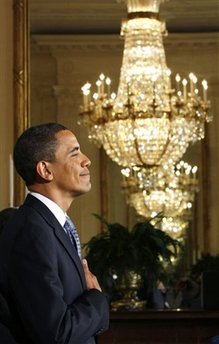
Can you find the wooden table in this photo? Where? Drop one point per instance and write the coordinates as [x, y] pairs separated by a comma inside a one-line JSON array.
[[178, 326]]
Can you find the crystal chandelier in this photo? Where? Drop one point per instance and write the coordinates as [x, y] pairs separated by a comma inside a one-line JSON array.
[[175, 227], [148, 123], [170, 193]]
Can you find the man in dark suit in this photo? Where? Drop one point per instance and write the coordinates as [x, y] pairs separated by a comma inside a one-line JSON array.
[[49, 295]]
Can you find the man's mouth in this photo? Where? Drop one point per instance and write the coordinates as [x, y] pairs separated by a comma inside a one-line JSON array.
[[85, 175]]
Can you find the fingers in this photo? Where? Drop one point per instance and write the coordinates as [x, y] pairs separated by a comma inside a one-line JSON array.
[[85, 265], [91, 279]]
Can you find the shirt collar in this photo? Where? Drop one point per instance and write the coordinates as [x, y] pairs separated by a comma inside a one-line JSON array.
[[53, 207]]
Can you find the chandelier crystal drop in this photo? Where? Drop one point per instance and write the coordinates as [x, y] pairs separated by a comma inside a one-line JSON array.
[[170, 193], [148, 122]]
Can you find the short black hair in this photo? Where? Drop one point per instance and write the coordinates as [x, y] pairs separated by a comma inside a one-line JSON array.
[[35, 144]]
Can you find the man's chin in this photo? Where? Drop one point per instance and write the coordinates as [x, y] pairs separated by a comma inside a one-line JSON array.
[[88, 188], [82, 191]]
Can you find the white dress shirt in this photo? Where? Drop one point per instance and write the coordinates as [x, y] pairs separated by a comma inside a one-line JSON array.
[[53, 207]]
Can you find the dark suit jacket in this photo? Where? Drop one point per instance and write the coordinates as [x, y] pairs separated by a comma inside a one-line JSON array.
[[42, 282], [5, 335]]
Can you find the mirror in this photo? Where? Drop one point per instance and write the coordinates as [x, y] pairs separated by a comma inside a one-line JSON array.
[[59, 66]]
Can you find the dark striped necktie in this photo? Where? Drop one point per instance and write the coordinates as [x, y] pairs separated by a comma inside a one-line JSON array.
[[73, 234]]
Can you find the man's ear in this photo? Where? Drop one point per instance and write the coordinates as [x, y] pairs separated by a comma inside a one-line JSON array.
[[44, 171]]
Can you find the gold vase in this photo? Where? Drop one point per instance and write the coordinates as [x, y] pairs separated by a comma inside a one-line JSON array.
[[128, 287]]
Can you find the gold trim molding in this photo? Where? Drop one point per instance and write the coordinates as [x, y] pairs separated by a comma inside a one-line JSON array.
[[21, 81]]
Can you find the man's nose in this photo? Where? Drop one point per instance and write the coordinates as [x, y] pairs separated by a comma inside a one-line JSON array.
[[86, 161]]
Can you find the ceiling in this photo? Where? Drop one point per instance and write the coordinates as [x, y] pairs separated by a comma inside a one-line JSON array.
[[104, 16]]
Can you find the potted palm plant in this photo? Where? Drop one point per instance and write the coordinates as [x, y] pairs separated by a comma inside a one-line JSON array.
[[124, 260]]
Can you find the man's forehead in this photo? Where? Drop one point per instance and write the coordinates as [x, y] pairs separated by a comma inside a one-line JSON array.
[[66, 137], [66, 134]]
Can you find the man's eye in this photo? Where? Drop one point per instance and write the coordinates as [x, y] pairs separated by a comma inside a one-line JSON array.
[[75, 153]]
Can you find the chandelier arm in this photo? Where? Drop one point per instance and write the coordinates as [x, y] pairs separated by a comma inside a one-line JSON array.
[[164, 151], [110, 145], [137, 151]]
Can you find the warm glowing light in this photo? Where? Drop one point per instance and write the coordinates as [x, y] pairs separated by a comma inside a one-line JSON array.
[[152, 192], [147, 123]]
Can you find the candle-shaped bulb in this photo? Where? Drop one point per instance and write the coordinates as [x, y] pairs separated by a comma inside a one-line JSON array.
[[178, 78], [102, 77], [195, 79], [194, 169], [86, 87], [113, 96], [86, 92], [168, 72], [205, 87], [184, 82], [205, 84], [98, 83], [95, 96], [192, 80], [108, 82], [191, 76]]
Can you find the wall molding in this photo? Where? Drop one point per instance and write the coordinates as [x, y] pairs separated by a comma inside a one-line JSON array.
[[115, 42]]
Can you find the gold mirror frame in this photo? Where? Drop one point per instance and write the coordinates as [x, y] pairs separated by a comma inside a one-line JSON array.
[[21, 80]]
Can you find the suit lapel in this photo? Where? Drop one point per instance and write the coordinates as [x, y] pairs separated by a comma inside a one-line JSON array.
[[66, 243], [58, 231]]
